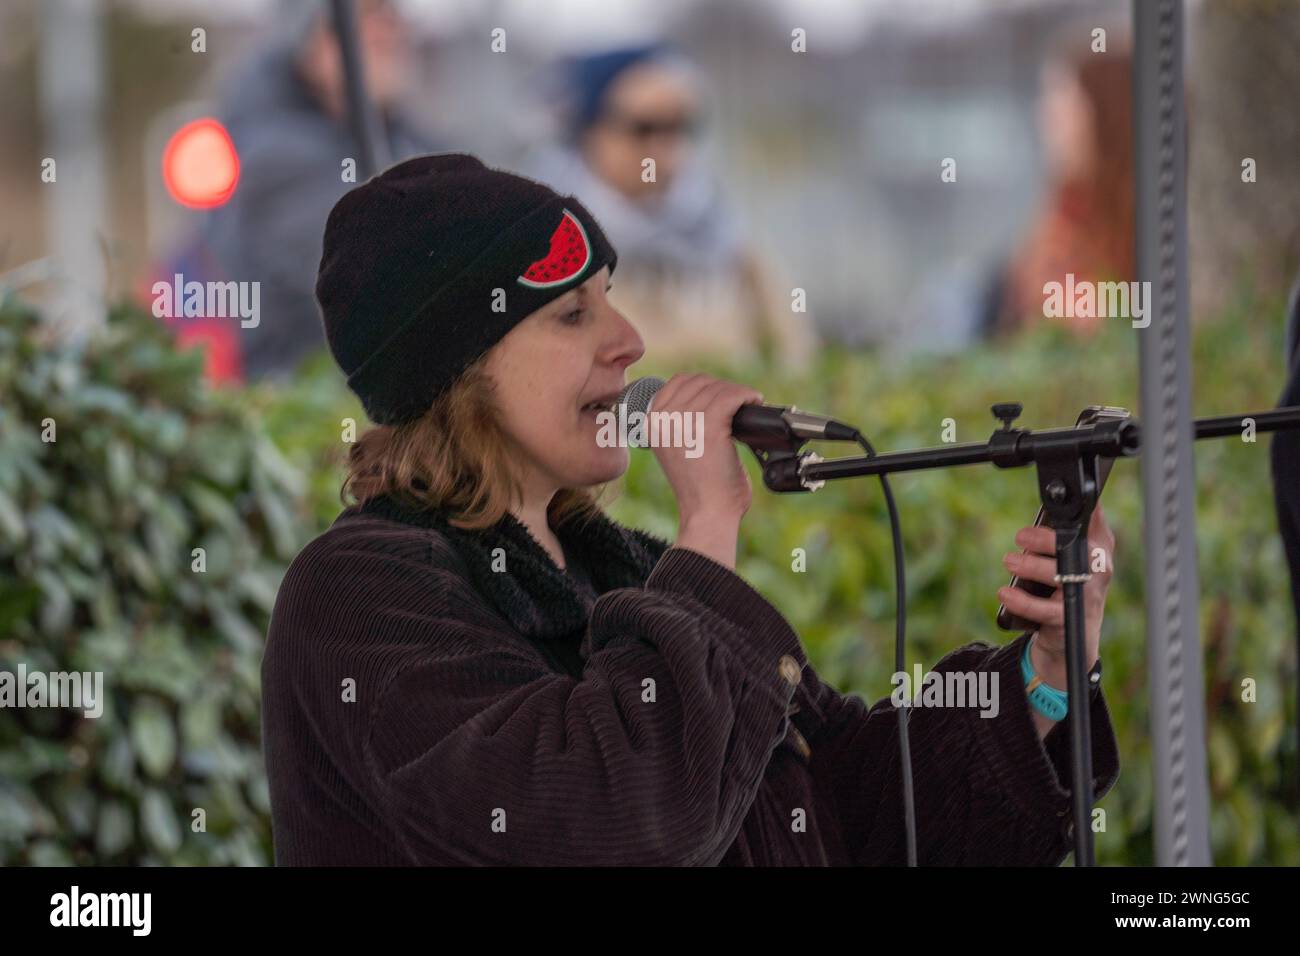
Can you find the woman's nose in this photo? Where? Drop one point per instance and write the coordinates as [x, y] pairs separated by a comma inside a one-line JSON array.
[[625, 345]]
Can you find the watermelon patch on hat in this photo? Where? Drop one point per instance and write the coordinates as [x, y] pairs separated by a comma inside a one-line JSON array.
[[569, 255]]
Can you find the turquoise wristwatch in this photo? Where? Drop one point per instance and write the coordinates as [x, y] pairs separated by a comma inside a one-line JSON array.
[[1048, 701]]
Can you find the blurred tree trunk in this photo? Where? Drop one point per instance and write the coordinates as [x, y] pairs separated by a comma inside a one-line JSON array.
[[1244, 68]]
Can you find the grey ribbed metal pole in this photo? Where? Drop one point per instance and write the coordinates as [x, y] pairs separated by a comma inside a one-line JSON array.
[[71, 96], [1168, 486]]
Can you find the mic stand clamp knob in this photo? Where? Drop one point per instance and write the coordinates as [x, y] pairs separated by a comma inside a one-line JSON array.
[[1007, 413]]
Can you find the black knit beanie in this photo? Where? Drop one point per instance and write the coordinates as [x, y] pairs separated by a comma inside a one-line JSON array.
[[429, 264]]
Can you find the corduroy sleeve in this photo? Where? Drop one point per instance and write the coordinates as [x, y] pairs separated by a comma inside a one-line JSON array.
[[481, 755], [988, 790]]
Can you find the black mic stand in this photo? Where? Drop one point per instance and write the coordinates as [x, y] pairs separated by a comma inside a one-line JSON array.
[[1066, 459]]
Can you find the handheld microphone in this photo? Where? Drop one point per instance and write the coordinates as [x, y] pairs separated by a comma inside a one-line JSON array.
[[759, 426]]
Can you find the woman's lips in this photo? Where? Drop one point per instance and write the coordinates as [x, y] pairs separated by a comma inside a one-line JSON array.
[[602, 404]]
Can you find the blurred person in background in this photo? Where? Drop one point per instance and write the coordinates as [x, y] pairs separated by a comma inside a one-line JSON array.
[[1086, 223], [688, 274], [286, 111]]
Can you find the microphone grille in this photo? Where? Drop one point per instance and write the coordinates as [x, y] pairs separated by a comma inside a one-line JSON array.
[[638, 395]]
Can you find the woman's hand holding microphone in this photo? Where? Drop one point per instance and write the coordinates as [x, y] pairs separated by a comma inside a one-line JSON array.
[[713, 491]]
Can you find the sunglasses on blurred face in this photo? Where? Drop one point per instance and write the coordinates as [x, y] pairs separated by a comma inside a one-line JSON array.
[[646, 127]]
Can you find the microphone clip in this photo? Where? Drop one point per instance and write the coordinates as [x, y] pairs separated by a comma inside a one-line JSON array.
[[783, 469]]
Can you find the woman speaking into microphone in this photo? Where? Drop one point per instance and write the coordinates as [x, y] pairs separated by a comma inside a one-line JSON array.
[[475, 665]]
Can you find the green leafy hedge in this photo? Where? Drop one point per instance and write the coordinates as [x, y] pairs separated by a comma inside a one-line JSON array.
[[98, 535], [109, 584]]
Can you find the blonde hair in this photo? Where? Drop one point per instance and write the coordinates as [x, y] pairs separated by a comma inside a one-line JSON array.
[[456, 458]]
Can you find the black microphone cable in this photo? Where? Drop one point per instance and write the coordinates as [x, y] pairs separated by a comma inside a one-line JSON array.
[[900, 662]]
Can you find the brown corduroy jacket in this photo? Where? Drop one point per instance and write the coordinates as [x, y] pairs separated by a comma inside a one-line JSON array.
[[435, 696]]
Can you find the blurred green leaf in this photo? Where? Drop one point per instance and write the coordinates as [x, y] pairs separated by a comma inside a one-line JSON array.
[[158, 821], [153, 736], [115, 831]]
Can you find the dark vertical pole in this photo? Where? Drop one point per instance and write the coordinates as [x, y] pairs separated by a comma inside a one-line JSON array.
[[1168, 486], [1072, 566], [363, 118]]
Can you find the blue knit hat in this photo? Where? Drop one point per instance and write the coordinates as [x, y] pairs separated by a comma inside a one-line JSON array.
[[591, 75]]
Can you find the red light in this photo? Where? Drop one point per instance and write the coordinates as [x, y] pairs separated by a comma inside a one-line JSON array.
[[200, 166]]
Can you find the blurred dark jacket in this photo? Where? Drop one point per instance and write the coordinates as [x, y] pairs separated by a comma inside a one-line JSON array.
[[1284, 454], [291, 152], [499, 716]]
